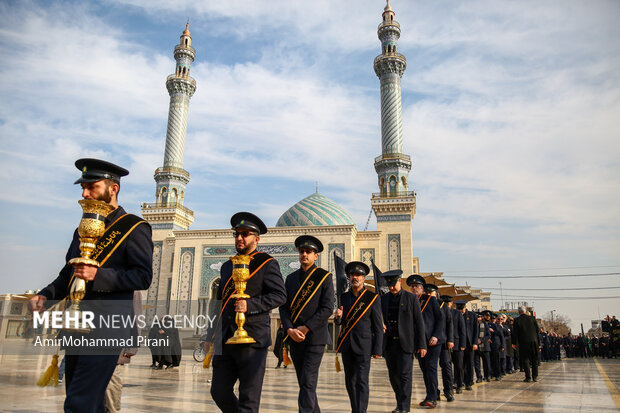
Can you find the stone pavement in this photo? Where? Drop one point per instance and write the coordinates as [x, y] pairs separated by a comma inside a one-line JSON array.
[[564, 386]]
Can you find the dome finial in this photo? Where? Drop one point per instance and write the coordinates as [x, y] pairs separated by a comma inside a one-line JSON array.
[[387, 6], [186, 32], [317, 187]]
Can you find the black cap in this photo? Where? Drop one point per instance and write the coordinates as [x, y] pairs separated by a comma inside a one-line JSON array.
[[430, 288], [487, 312], [94, 170], [249, 221], [356, 267], [392, 277], [460, 304], [446, 298], [308, 241], [415, 279]]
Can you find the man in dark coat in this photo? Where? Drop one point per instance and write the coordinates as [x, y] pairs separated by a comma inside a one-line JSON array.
[[309, 303], [361, 334], [126, 265], [404, 336], [471, 342], [435, 338], [484, 349], [460, 338], [245, 362], [497, 343], [525, 339], [445, 357]]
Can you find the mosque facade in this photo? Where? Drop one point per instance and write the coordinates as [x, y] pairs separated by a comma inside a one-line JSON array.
[[186, 262]]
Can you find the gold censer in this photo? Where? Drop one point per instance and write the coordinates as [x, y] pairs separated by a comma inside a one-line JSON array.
[[240, 275], [91, 228]]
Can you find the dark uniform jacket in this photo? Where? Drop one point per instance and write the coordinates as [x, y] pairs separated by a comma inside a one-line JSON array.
[[411, 331], [447, 323], [266, 289], [458, 330], [316, 312], [485, 335], [472, 329], [497, 336], [129, 268], [366, 337], [433, 320]]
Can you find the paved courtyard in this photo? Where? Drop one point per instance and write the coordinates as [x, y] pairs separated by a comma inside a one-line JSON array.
[[567, 386]]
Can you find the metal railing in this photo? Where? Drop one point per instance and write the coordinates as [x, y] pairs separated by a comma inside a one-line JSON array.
[[393, 156], [394, 194], [172, 170], [157, 205]]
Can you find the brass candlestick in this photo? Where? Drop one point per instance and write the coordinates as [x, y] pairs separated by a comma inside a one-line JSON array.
[[91, 228], [241, 273]]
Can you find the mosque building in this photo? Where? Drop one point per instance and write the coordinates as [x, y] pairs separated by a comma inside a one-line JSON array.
[[186, 262]]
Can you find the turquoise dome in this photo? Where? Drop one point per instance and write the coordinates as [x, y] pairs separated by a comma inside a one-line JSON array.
[[315, 209]]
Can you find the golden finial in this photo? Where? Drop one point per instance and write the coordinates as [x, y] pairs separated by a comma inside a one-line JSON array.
[[387, 6], [186, 32]]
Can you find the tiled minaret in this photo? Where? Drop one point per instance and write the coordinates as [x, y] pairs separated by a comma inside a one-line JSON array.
[[168, 211], [394, 205]]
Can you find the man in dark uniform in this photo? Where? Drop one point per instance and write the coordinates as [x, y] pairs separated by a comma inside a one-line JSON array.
[[525, 339], [445, 357], [484, 347], [126, 265], [458, 335], [404, 336], [497, 343], [361, 334], [309, 303], [471, 342], [245, 362], [435, 337]]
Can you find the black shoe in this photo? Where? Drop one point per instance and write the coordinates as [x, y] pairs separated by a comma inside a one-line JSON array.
[[478, 381], [534, 379], [159, 367], [488, 379], [468, 388], [153, 365], [458, 390], [450, 398], [526, 380], [498, 378]]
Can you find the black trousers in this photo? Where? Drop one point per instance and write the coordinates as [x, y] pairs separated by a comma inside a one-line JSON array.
[[86, 379], [428, 364], [356, 372], [447, 375], [528, 355], [400, 366], [238, 362], [468, 366], [485, 364], [495, 369], [459, 372], [307, 360]]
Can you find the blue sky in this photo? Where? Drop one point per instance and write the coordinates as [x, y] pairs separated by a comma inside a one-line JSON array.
[[509, 109]]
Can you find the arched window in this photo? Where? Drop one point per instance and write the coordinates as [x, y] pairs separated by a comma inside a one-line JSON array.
[[164, 195], [393, 186]]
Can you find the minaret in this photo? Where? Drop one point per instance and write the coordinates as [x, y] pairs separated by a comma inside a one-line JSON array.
[[394, 205], [168, 211]]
